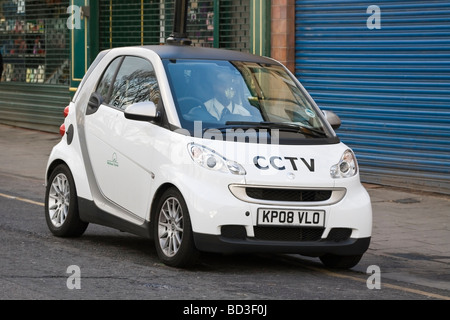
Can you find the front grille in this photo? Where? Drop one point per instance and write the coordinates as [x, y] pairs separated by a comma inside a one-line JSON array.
[[288, 234], [292, 195], [273, 233]]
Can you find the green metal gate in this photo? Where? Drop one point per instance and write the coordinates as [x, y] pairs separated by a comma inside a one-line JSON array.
[[224, 24], [35, 45]]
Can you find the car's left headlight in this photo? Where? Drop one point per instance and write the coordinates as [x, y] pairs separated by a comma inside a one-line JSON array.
[[211, 160], [347, 166]]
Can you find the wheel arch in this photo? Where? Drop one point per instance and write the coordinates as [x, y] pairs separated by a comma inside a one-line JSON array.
[[76, 168], [186, 253], [52, 166], [61, 208], [162, 188]]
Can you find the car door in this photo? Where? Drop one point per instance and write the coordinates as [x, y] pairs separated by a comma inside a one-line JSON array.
[[120, 150]]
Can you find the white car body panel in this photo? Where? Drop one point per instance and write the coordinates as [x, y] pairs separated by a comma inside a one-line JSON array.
[[71, 154], [120, 165]]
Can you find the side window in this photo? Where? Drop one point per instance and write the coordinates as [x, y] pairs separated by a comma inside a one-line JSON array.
[[108, 77], [135, 82]]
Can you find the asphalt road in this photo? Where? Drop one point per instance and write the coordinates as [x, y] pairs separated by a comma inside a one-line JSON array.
[[107, 264]]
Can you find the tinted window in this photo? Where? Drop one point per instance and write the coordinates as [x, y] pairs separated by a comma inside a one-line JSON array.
[[238, 94], [135, 82], [105, 84]]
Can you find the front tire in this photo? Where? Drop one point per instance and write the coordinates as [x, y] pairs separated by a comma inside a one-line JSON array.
[[61, 205], [173, 236]]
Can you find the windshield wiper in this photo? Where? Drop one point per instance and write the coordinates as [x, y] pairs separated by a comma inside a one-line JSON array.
[[285, 126], [230, 125]]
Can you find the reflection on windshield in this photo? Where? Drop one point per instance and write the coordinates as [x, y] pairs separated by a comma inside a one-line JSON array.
[[219, 93]]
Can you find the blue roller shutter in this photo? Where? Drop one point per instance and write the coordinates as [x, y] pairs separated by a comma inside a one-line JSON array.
[[390, 86]]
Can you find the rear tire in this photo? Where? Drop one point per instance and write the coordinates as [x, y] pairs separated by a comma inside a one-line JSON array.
[[61, 205], [173, 235], [340, 262]]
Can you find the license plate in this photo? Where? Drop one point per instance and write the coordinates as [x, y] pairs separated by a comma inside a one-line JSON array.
[[289, 217]]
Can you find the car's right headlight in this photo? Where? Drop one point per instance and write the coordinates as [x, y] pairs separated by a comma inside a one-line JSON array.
[[347, 166], [211, 160]]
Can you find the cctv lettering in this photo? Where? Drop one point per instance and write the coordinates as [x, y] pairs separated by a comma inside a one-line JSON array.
[[280, 163]]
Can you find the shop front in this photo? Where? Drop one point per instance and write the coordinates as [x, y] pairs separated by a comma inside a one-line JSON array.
[[34, 43], [48, 45], [384, 69]]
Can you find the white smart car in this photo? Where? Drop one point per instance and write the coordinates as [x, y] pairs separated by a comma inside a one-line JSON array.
[[206, 150]]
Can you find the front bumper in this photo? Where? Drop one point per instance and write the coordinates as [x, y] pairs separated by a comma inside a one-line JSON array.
[[213, 209], [227, 222], [221, 244]]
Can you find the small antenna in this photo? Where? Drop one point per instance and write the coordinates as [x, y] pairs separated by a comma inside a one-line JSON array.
[[179, 34]]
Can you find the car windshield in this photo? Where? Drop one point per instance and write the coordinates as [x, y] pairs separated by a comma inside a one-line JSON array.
[[229, 94]]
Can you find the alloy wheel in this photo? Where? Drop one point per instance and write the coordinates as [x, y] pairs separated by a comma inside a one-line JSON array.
[[170, 227], [59, 200]]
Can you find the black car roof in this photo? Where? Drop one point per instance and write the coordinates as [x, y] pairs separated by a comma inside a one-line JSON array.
[[191, 52]]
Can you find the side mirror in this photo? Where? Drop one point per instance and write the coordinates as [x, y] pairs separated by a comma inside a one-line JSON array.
[[142, 111], [95, 101], [333, 119]]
